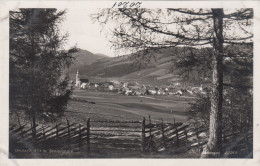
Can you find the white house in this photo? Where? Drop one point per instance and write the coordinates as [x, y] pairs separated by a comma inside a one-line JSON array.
[[110, 87], [83, 85]]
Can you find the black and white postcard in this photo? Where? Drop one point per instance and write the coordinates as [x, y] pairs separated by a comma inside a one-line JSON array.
[[129, 80]]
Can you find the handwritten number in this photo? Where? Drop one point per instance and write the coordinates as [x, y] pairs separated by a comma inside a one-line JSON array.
[[138, 4], [126, 4], [114, 5], [132, 4]]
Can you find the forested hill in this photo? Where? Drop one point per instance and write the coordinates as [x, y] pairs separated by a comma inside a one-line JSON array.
[[165, 66], [85, 58], [159, 67]]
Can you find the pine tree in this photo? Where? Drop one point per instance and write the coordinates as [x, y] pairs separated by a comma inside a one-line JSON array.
[[37, 61]]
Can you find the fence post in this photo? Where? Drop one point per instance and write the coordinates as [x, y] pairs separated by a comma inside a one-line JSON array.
[[33, 134], [150, 126], [197, 134], [143, 135], [88, 135], [57, 131], [186, 135], [44, 137], [79, 136], [20, 126], [57, 134], [177, 135], [33, 126], [68, 126], [163, 137]]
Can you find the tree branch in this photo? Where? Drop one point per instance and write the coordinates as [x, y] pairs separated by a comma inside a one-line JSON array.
[[160, 31], [190, 12]]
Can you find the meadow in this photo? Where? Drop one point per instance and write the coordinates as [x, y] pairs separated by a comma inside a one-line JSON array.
[[114, 106]]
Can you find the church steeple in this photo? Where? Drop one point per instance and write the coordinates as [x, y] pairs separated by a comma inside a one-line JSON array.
[[77, 79]]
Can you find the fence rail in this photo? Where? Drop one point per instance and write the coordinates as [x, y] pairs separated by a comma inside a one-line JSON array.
[[120, 137]]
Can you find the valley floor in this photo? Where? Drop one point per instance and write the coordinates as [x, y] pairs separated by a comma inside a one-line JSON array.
[[114, 106]]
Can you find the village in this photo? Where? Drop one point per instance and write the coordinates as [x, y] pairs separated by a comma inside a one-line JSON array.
[[135, 89]]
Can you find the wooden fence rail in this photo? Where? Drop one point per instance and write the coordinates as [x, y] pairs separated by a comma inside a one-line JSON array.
[[114, 136], [59, 136]]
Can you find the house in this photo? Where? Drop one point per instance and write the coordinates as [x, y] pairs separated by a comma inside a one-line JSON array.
[[166, 89], [179, 92], [125, 84], [128, 92], [153, 92], [159, 91], [138, 93], [110, 87], [83, 85], [190, 92]]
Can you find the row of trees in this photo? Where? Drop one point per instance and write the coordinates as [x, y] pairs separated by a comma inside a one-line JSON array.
[[153, 29], [38, 85]]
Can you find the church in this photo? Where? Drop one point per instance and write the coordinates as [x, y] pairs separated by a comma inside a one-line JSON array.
[[79, 80]]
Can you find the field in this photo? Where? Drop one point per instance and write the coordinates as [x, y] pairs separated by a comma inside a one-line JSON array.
[[117, 130], [115, 125], [113, 106], [108, 106]]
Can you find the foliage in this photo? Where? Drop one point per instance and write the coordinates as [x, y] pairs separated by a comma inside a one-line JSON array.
[[194, 64], [199, 111], [237, 111], [37, 82], [237, 92]]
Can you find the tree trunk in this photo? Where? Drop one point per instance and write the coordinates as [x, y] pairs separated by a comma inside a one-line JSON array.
[[214, 146]]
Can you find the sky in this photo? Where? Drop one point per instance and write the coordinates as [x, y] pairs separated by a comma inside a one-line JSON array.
[[87, 35], [83, 32]]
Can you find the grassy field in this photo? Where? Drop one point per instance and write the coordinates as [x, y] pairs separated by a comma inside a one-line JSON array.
[[107, 106], [113, 106]]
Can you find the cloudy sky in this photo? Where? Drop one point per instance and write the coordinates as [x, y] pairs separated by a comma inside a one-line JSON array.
[[83, 32]]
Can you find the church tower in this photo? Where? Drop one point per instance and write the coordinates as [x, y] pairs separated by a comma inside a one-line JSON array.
[[77, 79]]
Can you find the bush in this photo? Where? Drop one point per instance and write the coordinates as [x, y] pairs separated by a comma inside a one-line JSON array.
[[199, 111], [237, 111]]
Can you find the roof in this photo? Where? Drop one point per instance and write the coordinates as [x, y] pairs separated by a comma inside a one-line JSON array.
[[84, 79]]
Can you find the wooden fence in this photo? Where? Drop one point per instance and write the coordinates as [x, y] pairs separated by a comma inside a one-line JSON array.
[[69, 136], [116, 138], [158, 137]]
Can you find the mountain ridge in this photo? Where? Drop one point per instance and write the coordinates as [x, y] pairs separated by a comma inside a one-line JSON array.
[[163, 67], [85, 58]]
